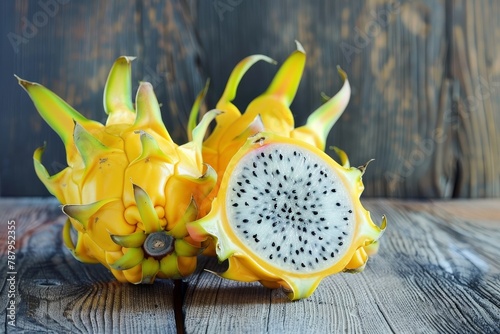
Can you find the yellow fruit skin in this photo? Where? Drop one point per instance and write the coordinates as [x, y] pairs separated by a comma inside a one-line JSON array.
[[246, 265], [269, 112], [125, 178]]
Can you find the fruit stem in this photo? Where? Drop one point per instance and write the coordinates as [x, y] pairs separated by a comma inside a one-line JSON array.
[[158, 244]]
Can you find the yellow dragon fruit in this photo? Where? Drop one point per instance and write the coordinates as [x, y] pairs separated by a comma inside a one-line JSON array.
[[283, 212], [128, 190]]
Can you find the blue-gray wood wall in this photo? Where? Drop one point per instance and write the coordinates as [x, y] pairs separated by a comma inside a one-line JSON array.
[[425, 77]]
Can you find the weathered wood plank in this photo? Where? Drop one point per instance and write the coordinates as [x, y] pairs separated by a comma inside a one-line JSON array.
[[436, 272], [424, 76], [395, 55], [476, 121], [56, 292]]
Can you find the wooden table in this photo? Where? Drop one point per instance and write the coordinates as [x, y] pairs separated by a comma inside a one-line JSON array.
[[438, 271]]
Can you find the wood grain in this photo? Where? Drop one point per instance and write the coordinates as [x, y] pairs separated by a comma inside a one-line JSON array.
[[437, 271], [424, 74], [56, 292]]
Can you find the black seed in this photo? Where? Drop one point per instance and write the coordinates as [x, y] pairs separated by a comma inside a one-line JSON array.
[[281, 156], [345, 218], [278, 248], [332, 254], [285, 259], [297, 252], [341, 243], [350, 211], [271, 256], [270, 157], [245, 220], [303, 265], [255, 198], [235, 205], [262, 154], [254, 174], [259, 221], [337, 204], [254, 164]]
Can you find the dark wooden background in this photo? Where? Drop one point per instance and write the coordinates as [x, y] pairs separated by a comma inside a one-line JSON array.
[[425, 77]]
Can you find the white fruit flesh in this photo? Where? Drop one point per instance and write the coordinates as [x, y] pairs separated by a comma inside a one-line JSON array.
[[290, 208]]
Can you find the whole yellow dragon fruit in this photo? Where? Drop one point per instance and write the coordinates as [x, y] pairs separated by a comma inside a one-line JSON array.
[[283, 212], [128, 190]]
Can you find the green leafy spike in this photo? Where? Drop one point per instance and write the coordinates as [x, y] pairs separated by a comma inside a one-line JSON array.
[[89, 147], [55, 111], [286, 82], [147, 211], [193, 115], [84, 212], [148, 111], [117, 98]]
